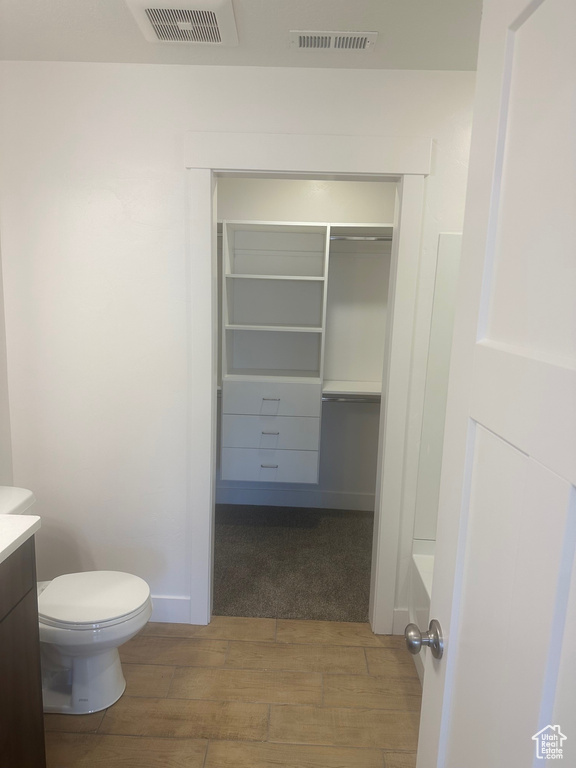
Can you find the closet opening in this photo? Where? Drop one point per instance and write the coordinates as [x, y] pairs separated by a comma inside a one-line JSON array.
[[304, 284]]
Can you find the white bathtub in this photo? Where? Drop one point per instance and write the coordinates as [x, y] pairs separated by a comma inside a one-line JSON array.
[[420, 580]]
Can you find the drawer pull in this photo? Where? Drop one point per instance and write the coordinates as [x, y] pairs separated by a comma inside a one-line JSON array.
[[269, 466], [270, 433], [272, 399]]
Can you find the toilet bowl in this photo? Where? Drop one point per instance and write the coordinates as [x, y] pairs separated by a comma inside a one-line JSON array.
[[83, 619]]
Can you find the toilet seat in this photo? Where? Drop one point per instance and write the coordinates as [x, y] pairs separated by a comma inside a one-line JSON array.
[[92, 600], [77, 627]]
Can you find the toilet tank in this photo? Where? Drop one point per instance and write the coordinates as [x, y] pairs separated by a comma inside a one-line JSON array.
[[15, 501]]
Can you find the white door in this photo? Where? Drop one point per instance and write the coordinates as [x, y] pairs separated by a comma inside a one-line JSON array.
[[504, 585]]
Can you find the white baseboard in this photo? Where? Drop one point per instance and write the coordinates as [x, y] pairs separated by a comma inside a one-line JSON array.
[[360, 502], [166, 608]]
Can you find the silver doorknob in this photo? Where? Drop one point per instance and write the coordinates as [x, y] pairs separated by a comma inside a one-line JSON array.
[[433, 639]]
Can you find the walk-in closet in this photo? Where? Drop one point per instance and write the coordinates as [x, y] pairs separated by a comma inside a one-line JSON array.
[[304, 281]]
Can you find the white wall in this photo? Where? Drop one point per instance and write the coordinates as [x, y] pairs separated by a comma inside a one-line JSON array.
[[306, 200], [5, 437], [93, 242]]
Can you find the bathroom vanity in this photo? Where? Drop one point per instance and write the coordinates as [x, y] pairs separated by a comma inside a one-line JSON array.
[[21, 717]]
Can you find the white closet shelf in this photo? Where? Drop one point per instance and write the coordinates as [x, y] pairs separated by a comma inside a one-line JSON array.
[[335, 387], [301, 278], [267, 374], [281, 328]]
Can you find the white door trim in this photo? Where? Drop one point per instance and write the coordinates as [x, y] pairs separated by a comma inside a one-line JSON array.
[[320, 154], [206, 155], [395, 422]]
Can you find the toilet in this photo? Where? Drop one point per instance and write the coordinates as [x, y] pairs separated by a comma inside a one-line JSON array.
[[83, 619]]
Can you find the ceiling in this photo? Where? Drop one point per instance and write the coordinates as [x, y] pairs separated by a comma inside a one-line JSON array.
[[413, 34]]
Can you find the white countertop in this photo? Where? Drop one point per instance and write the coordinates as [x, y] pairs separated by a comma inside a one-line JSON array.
[[14, 530]]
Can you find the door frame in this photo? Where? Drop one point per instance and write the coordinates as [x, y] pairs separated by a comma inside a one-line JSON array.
[[404, 159]]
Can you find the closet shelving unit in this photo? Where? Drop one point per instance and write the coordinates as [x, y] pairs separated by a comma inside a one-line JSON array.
[[357, 295], [274, 296], [275, 312]]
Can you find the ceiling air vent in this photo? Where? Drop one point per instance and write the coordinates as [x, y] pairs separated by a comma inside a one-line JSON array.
[[332, 41], [205, 21]]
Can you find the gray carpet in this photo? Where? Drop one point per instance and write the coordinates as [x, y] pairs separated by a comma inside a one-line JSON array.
[[292, 563]]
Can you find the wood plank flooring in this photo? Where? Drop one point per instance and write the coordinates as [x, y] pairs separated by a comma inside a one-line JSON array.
[[252, 693]]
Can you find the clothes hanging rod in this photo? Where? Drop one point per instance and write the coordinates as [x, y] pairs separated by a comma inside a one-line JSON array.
[[351, 398], [350, 237], [346, 237], [341, 398]]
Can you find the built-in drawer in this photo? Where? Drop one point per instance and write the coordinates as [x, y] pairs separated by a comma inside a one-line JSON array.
[[276, 432], [265, 466], [271, 398]]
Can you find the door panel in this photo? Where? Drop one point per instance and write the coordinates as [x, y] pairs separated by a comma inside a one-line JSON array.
[[509, 385], [531, 301], [519, 516]]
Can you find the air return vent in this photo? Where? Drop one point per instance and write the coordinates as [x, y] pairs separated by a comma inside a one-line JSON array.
[[203, 21], [332, 41]]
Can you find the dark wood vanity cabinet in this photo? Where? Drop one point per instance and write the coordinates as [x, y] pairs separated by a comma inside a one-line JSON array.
[[21, 718]]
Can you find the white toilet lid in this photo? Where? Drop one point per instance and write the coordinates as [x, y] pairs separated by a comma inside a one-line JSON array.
[[92, 597]]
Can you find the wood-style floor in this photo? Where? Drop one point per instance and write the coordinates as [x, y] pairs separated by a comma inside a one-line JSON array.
[[251, 693]]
